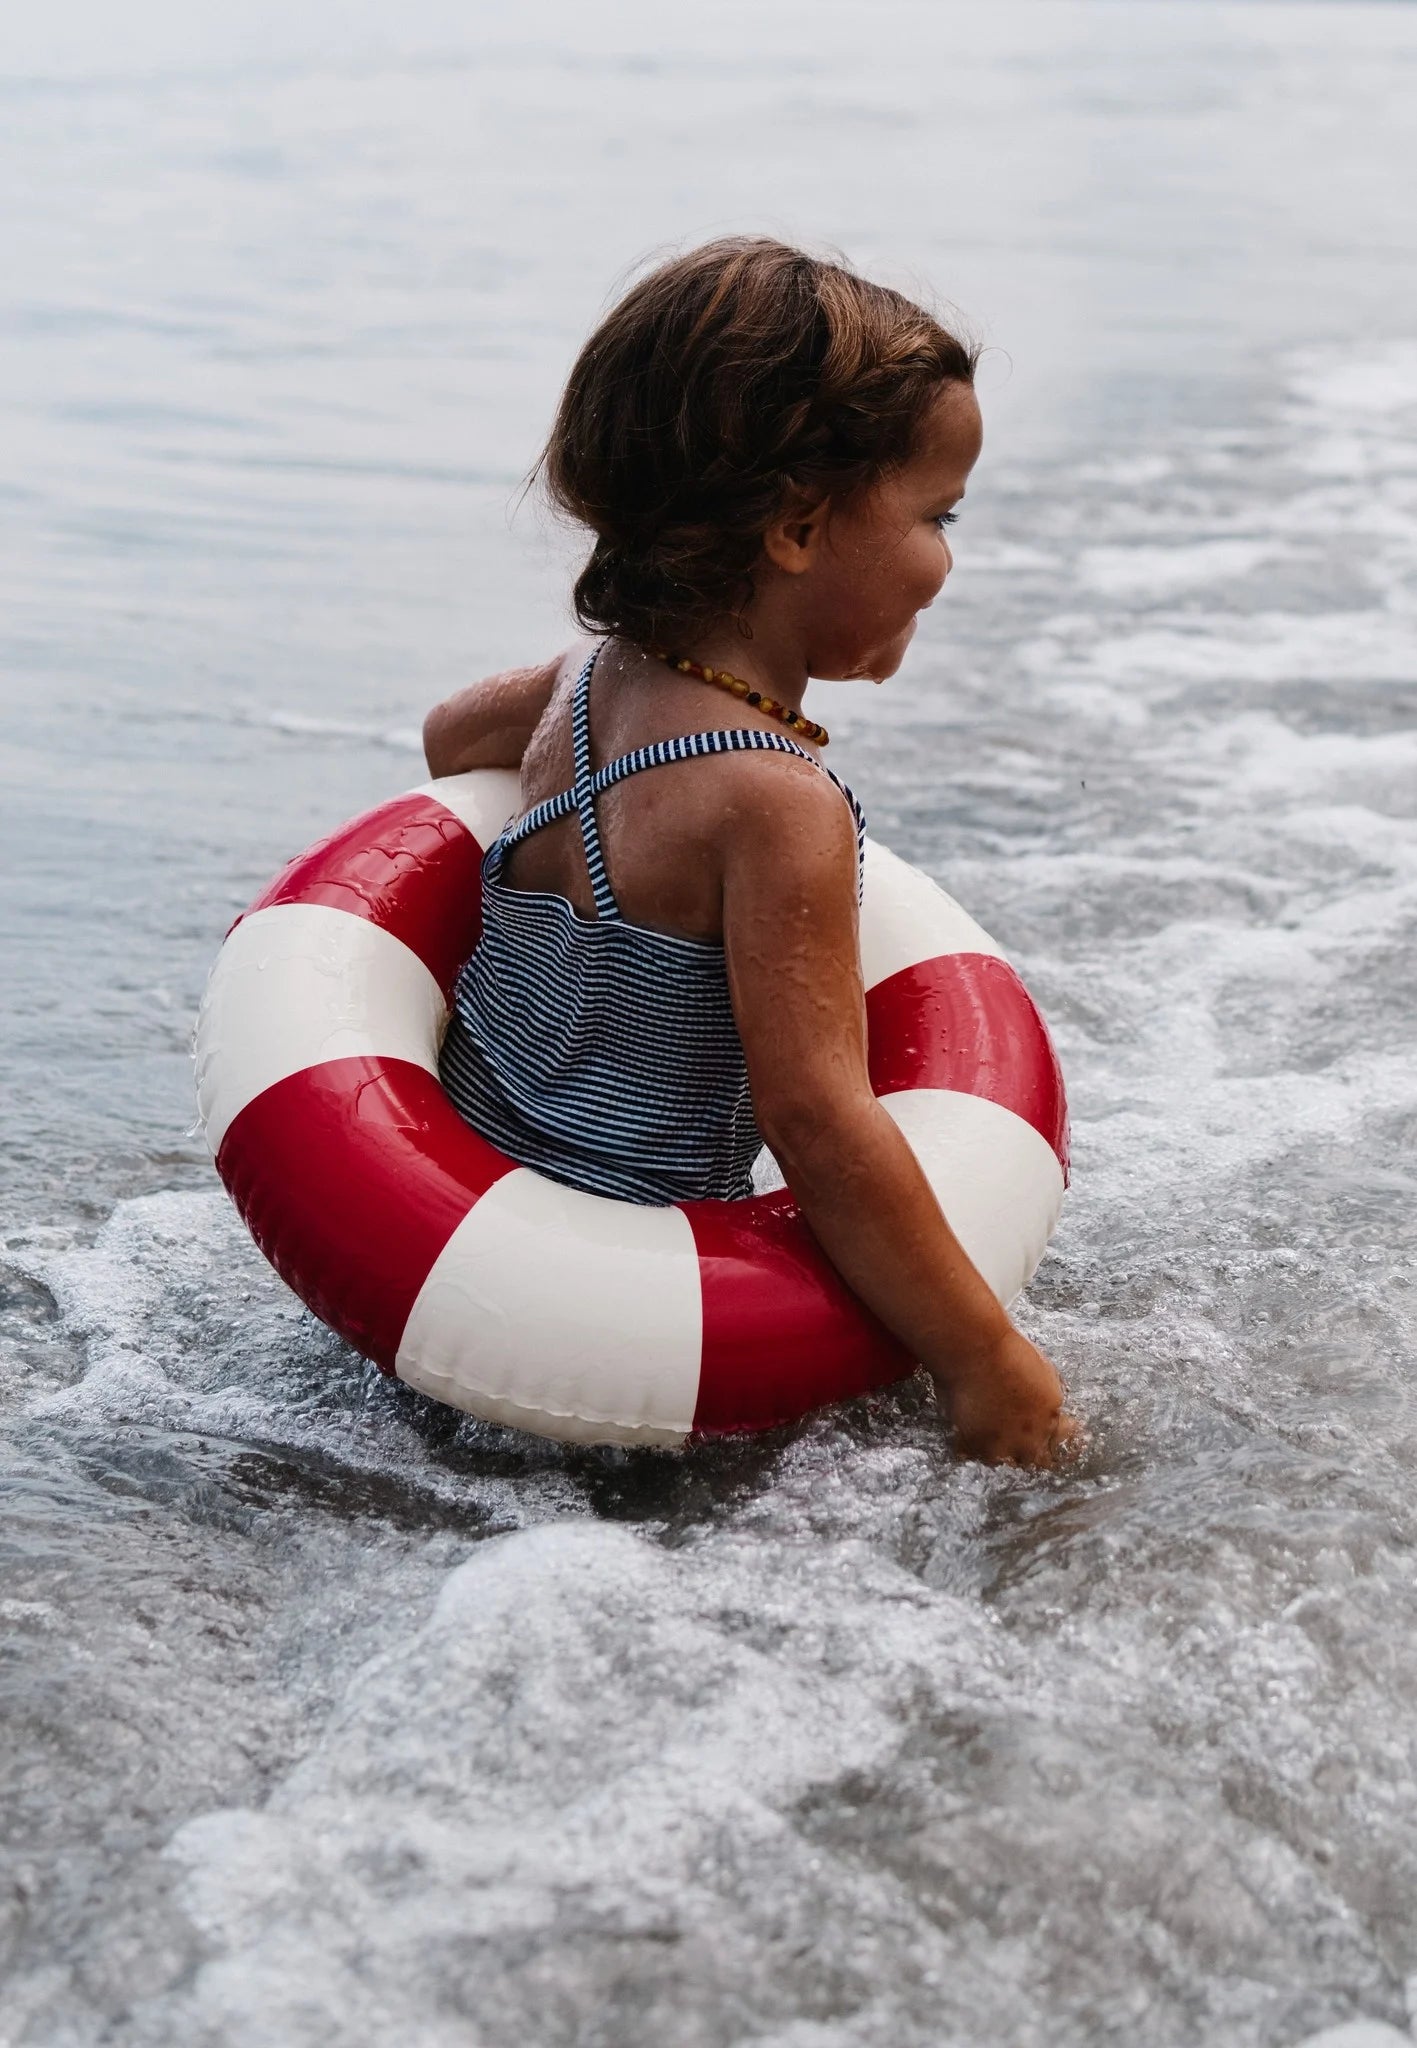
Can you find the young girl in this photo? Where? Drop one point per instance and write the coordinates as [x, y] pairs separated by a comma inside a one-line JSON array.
[[767, 449]]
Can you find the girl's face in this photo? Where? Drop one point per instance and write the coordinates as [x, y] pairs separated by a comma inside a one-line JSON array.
[[883, 556]]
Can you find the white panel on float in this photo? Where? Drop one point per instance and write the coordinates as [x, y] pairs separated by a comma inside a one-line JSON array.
[[998, 1182], [906, 919], [565, 1313], [298, 984], [484, 799]]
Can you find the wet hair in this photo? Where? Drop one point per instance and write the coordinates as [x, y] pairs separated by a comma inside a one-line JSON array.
[[726, 383]]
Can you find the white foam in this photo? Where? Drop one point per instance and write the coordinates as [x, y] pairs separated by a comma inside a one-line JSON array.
[[1358, 2034], [1374, 386], [1270, 647], [1159, 571], [307, 725], [631, 1774], [181, 1325], [598, 1748], [1127, 472]]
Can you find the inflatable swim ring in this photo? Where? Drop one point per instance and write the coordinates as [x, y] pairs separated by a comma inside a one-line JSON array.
[[488, 1286]]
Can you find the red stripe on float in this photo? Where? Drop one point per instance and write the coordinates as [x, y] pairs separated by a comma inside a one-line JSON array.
[[409, 866], [965, 1021], [783, 1333], [351, 1177]]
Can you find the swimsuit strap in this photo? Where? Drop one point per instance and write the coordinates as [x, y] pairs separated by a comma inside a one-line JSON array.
[[590, 784], [584, 790], [747, 739]]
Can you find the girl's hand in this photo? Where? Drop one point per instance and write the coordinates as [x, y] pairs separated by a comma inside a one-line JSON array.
[[1006, 1404]]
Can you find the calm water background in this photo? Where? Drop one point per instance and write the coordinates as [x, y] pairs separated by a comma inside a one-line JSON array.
[[331, 1718]]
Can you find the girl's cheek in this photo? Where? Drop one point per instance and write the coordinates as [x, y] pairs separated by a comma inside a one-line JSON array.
[[929, 567]]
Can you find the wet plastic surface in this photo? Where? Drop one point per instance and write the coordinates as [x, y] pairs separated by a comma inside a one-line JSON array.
[[354, 1174]]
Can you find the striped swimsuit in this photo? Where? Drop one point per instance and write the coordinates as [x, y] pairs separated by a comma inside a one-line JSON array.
[[600, 1052]]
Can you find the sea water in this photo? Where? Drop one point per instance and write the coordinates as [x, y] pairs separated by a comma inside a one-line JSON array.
[[331, 1717]]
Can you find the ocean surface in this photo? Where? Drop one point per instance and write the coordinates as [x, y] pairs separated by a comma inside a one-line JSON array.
[[332, 1718]]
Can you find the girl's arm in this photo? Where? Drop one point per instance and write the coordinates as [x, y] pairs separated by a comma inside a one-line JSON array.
[[789, 922], [488, 724]]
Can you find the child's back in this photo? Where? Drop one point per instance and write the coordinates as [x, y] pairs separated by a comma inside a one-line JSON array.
[[597, 1044]]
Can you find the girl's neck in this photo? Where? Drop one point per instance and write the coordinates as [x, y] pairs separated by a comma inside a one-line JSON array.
[[777, 671]]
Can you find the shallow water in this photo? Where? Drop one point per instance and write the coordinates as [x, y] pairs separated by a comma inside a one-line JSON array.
[[332, 1717]]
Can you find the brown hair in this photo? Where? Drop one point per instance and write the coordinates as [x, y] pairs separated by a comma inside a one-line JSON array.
[[722, 384]]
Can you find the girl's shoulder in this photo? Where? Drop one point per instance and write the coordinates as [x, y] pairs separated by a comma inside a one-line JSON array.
[[785, 812]]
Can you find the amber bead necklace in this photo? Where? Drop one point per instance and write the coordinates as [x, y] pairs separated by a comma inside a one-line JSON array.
[[760, 701]]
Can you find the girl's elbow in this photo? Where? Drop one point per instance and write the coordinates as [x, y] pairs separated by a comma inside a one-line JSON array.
[[808, 1134], [437, 749]]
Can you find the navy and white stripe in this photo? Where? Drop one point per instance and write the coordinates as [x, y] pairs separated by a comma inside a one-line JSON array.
[[602, 1053]]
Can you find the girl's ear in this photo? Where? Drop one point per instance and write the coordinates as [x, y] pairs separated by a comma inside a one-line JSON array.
[[793, 540]]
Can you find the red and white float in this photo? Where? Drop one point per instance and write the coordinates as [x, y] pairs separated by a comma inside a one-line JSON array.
[[488, 1286]]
